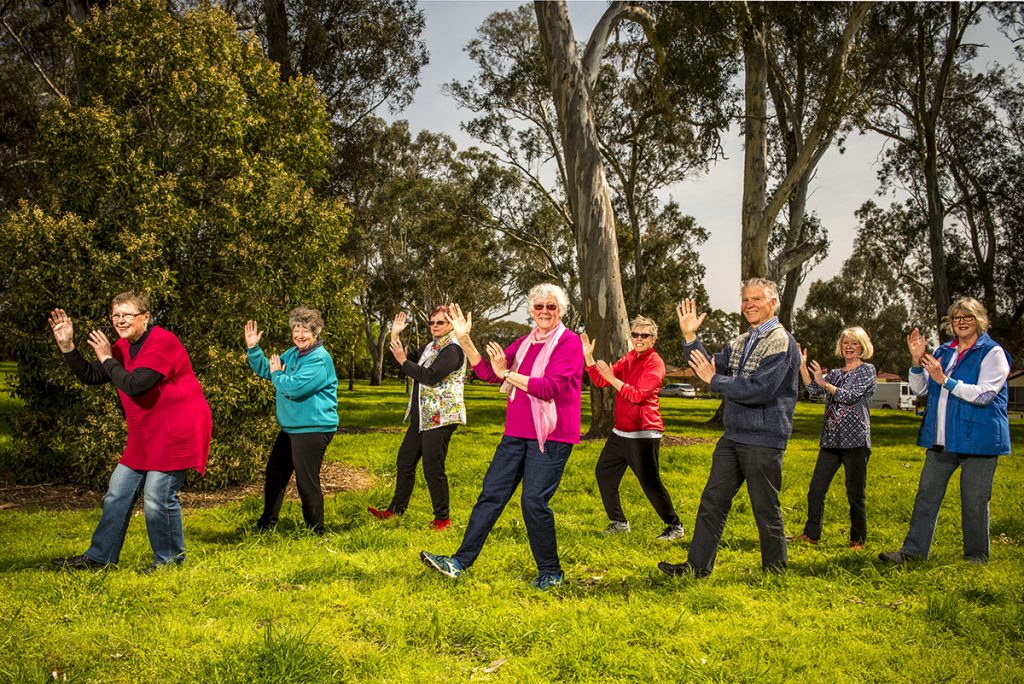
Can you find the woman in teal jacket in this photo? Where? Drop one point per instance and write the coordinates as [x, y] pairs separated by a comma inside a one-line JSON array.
[[307, 411]]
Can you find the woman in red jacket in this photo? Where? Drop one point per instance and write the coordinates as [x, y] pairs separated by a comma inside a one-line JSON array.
[[636, 439]]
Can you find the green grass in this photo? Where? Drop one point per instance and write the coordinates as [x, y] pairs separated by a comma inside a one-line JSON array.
[[357, 605]]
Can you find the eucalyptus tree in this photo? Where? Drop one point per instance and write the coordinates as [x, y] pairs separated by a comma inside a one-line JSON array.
[[799, 55], [922, 55], [420, 231]]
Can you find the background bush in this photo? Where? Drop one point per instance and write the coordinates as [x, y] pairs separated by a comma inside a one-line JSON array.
[[185, 168]]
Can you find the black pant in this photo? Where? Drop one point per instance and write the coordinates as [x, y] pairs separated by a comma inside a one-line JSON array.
[[432, 447], [302, 453], [731, 464], [855, 463], [640, 456]]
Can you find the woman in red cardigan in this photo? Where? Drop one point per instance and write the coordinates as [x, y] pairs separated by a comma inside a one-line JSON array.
[[636, 439], [169, 428]]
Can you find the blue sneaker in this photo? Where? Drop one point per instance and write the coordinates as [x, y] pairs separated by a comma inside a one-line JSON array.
[[545, 581], [446, 565]]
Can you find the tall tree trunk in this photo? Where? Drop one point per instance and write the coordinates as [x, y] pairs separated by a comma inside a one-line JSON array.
[[594, 221], [794, 237], [277, 36], [754, 240]]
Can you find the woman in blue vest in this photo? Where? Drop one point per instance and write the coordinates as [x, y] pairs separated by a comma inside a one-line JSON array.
[[965, 426], [436, 408]]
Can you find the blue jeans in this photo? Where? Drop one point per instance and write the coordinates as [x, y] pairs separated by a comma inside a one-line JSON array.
[[976, 475], [518, 460], [162, 508]]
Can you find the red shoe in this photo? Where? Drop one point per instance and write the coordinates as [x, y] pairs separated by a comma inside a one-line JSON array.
[[381, 515], [803, 538], [441, 524]]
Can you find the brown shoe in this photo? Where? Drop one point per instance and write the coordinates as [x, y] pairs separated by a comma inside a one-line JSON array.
[[802, 538], [857, 545]]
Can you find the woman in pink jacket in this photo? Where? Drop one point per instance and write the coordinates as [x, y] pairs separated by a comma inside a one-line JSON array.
[[542, 373], [636, 439]]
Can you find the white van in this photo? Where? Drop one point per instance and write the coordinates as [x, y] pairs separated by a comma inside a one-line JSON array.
[[892, 395]]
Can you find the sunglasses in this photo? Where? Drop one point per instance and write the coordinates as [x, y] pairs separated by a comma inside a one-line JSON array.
[[438, 322], [549, 307], [641, 336]]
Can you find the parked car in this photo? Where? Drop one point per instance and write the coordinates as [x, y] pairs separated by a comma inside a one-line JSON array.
[[678, 389]]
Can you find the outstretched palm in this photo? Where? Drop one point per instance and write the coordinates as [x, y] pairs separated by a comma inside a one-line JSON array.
[[461, 325], [689, 321], [63, 330]]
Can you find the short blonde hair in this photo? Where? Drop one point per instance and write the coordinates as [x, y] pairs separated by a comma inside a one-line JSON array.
[[860, 336], [970, 306], [136, 299], [307, 318], [644, 322], [545, 290], [770, 288]]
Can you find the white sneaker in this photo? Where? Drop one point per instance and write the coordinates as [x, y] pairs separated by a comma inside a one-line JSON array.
[[671, 533], [617, 527]]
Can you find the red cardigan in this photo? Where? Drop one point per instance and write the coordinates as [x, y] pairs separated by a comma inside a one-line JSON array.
[[169, 427], [636, 404]]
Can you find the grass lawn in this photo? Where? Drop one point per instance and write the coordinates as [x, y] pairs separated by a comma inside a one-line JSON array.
[[357, 605]]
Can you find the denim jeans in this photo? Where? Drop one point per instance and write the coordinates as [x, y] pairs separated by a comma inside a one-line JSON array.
[[518, 460], [162, 509], [976, 475], [733, 463]]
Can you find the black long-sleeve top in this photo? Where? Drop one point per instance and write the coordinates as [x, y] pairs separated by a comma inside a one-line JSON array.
[[133, 383]]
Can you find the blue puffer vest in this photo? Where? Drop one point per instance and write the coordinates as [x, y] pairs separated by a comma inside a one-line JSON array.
[[970, 429]]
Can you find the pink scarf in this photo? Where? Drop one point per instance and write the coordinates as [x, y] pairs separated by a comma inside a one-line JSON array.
[[545, 416]]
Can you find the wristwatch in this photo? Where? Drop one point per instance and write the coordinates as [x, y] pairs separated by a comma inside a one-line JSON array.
[[504, 376]]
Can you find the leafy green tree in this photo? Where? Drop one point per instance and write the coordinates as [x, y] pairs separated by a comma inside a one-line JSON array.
[[188, 172]]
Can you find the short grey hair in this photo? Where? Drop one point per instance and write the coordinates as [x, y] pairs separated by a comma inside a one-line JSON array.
[[307, 318], [770, 288], [644, 322], [545, 290]]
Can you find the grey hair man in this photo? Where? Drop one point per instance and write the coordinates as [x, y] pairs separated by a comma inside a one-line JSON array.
[[757, 375]]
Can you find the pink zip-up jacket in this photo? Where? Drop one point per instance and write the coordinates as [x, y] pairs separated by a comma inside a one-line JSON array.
[[562, 381]]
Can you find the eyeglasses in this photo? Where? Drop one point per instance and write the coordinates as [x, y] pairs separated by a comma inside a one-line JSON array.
[[549, 307], [641, 336], [437, 322], [125, 316], [962, 319]]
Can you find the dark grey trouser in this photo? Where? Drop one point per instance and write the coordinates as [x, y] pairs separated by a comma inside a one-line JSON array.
[[733, 463]]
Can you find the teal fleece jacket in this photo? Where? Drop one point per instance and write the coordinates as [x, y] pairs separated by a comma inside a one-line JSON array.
[[307, 389]]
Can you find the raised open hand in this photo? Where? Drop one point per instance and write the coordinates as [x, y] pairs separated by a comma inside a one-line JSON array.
[[689, 321], [461, 325], [400, 323], [588, 349], [916, 345], [803, 357], [252, 334], [63, 330], [100, 344], [605, 370]]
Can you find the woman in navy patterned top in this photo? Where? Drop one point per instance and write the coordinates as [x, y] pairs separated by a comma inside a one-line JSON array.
[[845, 433]]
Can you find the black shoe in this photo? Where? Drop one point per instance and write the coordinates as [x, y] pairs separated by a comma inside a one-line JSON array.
[[681, 570], [80, 562], [894, 557]]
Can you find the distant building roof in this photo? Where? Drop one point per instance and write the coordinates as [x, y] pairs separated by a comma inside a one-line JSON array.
[[888, 377]]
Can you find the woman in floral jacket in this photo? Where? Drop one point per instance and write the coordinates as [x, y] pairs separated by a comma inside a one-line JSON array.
[[436, 408]]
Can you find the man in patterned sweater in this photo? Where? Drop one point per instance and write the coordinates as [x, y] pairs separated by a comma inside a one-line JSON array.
[[757, 375]]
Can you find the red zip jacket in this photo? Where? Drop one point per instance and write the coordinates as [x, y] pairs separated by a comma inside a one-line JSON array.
[[636, 404]]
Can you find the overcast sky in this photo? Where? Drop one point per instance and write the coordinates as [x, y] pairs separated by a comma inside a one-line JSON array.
[[843, 181]]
